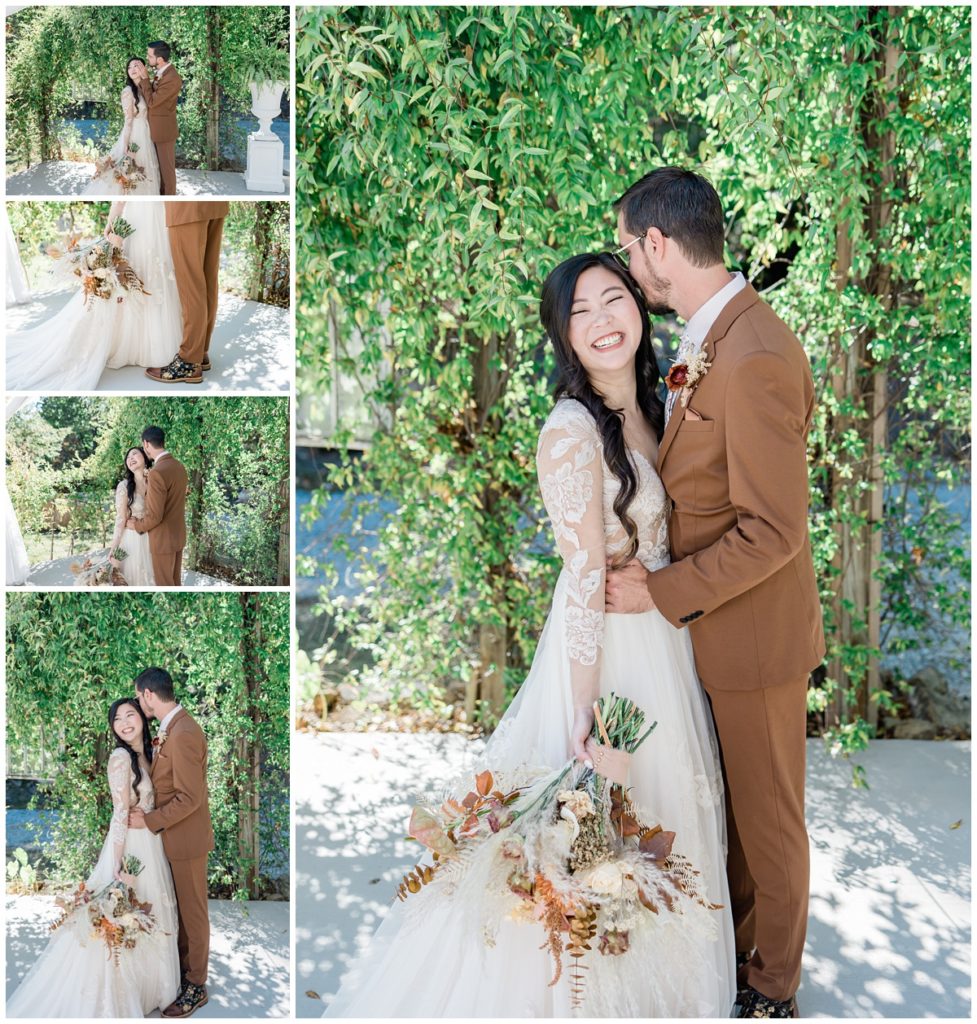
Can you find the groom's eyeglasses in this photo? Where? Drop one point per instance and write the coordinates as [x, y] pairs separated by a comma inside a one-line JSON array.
[[622, 255]]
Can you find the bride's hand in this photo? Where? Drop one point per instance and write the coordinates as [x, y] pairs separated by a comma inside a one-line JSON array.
[[116, 563], [583, 722], [612, 764]]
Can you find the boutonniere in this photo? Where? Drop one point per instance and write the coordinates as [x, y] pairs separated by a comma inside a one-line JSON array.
[[687, 376], [159, 739]]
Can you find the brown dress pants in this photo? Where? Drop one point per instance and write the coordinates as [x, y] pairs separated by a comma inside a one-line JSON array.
[[168, 568], [762, 735], [166, 158], [193, 941], [196, 249]]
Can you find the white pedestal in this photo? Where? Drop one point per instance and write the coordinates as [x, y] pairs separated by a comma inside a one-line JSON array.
[[266, 163]]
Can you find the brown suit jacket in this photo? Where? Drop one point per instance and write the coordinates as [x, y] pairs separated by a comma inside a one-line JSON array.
[[179, 774], [161, 96], [193, 210], [166, 501], [742, 576]]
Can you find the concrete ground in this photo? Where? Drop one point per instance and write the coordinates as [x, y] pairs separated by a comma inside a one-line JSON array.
[[249, 960], [55, 178], [251, 348], [889, 926], [57, 573]]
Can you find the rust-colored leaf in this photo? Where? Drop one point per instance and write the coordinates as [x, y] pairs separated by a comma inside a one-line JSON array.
[[483, 783], [658, 846]]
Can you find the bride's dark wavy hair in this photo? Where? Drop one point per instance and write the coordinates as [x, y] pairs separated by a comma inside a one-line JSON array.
[[132, 85], [147, 739], [573, 382], [127, 473]]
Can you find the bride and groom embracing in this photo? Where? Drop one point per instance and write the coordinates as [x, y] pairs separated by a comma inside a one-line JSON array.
[[161, 816], [174, 248], [688, 587], [143, 159], [150, 519]]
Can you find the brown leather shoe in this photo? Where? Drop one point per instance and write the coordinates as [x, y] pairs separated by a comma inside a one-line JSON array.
[[190, 999], [206, 364], [177, 372]]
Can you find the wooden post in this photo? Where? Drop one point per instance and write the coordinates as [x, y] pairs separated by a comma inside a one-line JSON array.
[[213, 89]]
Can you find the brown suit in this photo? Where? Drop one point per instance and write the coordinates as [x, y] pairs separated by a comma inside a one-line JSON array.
[[195, 230], [182, 816], [161, 95], [165, 519], [743, 579]]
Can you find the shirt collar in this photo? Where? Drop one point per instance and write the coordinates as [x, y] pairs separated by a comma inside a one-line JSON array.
[[162, 455], [169, 718], [705, 316]]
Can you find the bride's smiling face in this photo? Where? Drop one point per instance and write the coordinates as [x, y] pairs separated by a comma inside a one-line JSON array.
[[134, 68], [605, 322], [127, 725], [135, 460]]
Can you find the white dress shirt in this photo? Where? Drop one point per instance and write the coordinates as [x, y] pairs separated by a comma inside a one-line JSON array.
[[169, 718], [699, 325]]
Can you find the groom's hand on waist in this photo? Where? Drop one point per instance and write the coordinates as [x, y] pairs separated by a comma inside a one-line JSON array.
[[137, 819], [626, 590]]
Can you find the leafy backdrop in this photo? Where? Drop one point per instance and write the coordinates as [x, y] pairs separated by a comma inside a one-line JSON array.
[[448, 158], [69, 655]]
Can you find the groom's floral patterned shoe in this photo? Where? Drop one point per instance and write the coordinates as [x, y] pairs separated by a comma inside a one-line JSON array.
[[756, 1004], [177, 372], [190, 999]]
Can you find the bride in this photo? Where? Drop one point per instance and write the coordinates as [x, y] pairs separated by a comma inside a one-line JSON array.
[[74, 976], [69, 351], [134, 141], [130, 501], [596, 464]]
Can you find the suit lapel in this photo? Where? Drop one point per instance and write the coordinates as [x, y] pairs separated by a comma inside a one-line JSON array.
[[737, 305]]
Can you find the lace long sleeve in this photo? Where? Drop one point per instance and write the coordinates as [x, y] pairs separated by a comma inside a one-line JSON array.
[[129, 113], [120, 786], [569, 463], [121, 515]]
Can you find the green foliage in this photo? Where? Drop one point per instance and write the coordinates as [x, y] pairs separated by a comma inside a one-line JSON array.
[[69, 655], [55, 54], [255, 244], [21, 876], [448, 158], [235, 451]]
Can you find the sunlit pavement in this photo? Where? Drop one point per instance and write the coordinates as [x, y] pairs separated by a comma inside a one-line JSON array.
[[889, 927], [248, 953]]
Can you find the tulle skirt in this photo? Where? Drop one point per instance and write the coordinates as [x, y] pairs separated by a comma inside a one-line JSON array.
[[69, 351], [75, 976], [434, 958], [105, 185]]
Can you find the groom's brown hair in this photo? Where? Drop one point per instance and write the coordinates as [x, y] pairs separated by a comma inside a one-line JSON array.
[[683, 206], [161, 49], [156, 680]]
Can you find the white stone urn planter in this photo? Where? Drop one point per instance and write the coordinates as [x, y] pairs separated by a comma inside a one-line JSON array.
[[266, 104], [266, 152]]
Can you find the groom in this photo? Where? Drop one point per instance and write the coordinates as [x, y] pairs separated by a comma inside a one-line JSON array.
[[182, 817], [733, 460], [161, 96], [195, 230], [165, 518]]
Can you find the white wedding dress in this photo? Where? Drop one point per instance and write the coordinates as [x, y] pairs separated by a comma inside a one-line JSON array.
[[69, 351], [137, 566], [74, 976], [135, 130], [431, 960]]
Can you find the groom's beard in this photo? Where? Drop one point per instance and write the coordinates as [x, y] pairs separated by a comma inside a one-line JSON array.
[[656, 290]]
